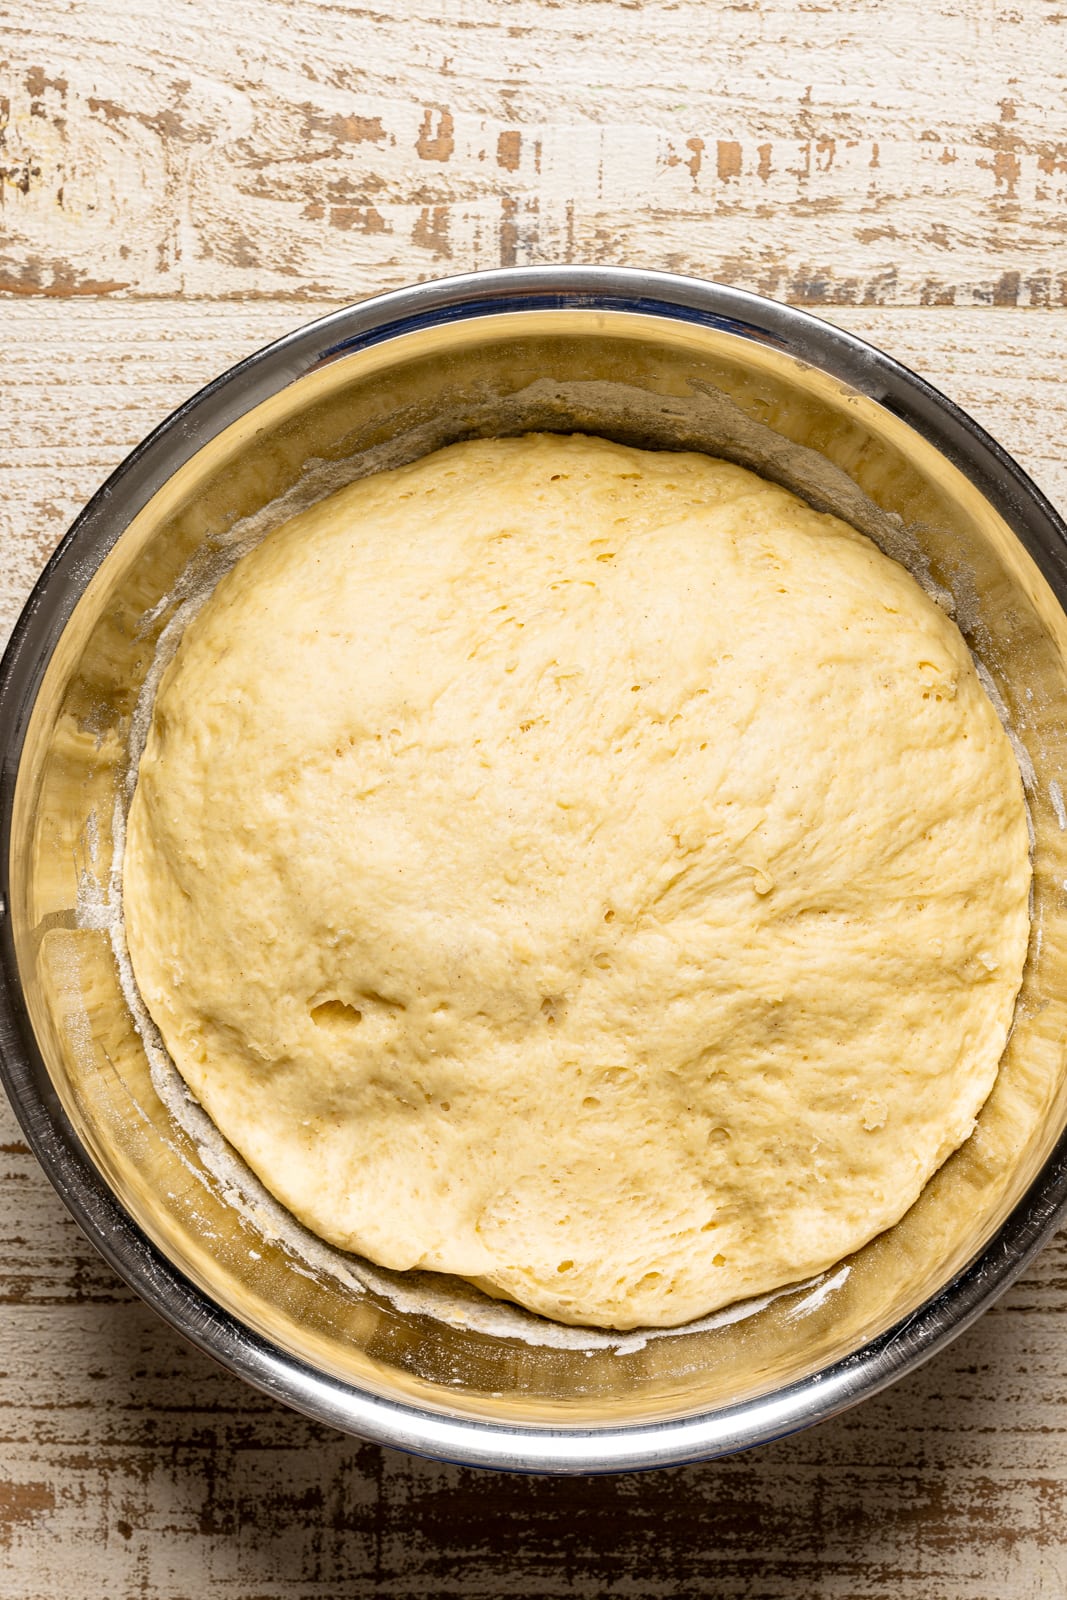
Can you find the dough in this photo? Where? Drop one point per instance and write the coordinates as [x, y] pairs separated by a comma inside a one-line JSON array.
[[585, 870]]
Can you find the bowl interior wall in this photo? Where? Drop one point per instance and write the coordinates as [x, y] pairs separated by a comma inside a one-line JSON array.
[[642, 380]]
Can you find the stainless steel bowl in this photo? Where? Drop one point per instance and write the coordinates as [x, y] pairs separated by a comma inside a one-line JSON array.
[[645, 358]]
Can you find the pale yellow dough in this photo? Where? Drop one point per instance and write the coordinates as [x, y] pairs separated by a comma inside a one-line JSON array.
[[585, 870]]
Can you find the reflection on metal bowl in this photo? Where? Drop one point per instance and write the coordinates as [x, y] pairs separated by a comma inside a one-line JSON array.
[[422, 1363]]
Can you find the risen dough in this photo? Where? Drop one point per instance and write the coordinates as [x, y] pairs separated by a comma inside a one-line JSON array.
[[585, 870]]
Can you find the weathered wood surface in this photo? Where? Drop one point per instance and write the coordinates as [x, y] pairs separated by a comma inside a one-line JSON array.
[[173, 176], [868, 151]]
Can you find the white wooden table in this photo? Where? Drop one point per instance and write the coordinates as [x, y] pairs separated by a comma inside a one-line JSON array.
[[182, 181]]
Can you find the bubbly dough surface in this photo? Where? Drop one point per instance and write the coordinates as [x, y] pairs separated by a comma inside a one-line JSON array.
[[585, 870]]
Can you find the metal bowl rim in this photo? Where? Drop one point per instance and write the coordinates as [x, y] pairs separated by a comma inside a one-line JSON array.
[[113, 1231]]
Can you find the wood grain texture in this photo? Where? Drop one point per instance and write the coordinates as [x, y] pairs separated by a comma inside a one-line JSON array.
[[866, 152], [131, 1467], [174, 175]]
